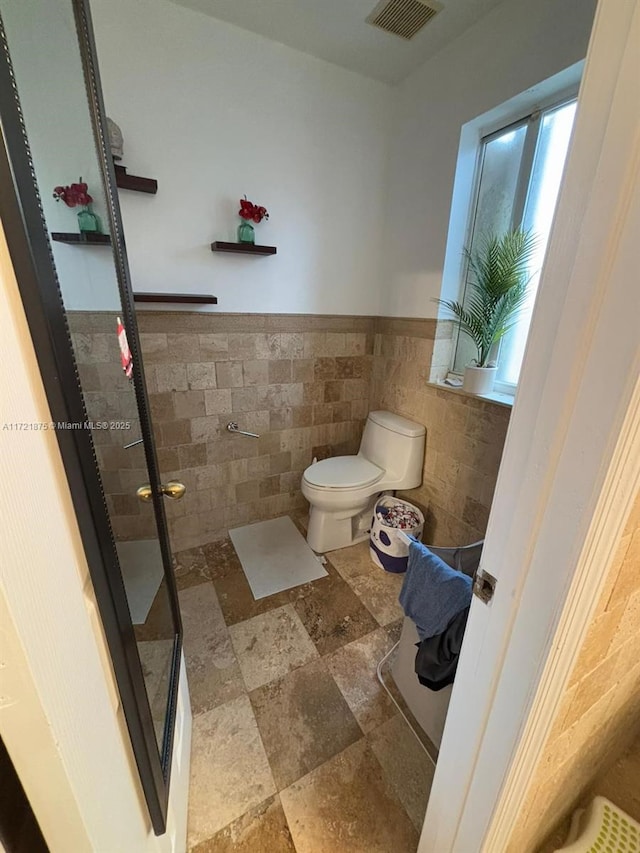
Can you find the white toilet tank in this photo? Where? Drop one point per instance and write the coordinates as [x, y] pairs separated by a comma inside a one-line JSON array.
[[397, 445]]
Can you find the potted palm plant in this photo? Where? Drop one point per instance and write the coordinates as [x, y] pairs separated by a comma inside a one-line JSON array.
[[499, 275]]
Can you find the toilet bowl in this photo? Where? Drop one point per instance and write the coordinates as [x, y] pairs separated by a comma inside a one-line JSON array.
[[342, 490]]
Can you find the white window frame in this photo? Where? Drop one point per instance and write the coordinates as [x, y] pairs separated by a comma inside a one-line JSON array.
[[554, 92]]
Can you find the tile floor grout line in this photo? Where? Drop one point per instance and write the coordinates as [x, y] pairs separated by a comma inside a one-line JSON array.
[[382, 594]]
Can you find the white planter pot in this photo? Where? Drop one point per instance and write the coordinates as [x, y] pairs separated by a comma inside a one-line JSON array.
[[479, 380]]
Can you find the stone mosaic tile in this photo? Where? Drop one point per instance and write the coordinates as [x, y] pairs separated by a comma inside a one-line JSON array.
[[406, 765], [271, 645], [303, 721], [347, 804], [262, 829], [230, 772], [353, 668], [333, 615], [212, 669]]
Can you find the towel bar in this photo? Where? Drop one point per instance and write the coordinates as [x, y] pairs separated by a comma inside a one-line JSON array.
[[232, 426]]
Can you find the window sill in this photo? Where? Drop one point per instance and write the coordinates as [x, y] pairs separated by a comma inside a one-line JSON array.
[[497, 397]]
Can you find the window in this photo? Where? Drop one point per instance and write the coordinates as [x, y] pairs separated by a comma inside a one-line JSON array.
[[518, 178]]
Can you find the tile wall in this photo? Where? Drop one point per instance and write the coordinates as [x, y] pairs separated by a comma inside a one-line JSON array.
[[599, 717], [305, 384], [110, 399], [465, 435]]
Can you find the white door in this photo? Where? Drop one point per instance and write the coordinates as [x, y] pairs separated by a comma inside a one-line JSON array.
[[576, 419]]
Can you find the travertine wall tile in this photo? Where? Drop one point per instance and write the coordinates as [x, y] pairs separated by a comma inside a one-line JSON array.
[[599, 717], [305, 384], [465, 435]]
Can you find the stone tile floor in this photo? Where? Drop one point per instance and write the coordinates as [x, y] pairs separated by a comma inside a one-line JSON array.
[[296, 747]]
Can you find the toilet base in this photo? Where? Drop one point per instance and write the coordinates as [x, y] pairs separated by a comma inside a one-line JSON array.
[[329, 531]]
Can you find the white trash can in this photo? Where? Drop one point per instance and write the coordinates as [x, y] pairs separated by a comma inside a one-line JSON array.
[[390, 516]]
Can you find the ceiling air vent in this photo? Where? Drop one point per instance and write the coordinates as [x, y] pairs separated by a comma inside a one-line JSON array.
[[403, 18]]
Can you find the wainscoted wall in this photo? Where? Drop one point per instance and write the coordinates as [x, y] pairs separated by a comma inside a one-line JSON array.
[[305, 384], [465, 435], [302, 382], [600, 715], [110, 397]]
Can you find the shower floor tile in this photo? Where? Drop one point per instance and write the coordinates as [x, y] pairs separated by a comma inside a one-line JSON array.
[[296, 749]]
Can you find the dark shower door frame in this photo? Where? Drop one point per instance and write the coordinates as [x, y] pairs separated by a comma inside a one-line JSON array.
[[28, 241]]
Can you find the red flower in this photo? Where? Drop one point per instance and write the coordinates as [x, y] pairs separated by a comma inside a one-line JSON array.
[[74, 194], [248, 210]]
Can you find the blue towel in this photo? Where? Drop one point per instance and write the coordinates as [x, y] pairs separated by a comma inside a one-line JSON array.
[[432, 593]]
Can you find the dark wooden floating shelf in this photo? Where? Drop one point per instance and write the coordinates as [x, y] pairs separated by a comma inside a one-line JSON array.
[[190, 298], [134, 182], [243, 248], [86, 239]]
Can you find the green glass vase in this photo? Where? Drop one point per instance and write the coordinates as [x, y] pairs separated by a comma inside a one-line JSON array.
[[88, 222], [246, 234]]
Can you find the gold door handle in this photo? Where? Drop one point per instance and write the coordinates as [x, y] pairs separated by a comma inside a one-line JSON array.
[[172, 489]]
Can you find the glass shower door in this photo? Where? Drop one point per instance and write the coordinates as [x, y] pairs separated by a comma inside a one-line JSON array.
[[53, 132]]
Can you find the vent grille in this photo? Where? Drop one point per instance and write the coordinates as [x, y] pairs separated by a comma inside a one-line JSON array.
[[403, 18]]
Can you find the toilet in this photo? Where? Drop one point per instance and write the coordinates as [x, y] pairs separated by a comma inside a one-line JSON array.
[[342, 490]]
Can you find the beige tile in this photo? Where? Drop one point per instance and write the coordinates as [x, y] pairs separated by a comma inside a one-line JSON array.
[[290, 345], [333, 615], [212, 669], [189, 404], [207, 429], [229, 769], [378, 590], [217, 402], [201, 376], [213, 347], [279, 372], [271, 645], [171, 377], [256, 372], [248, 346], [190, 456], [347, 804], [303, 721], [353, 668], [302, 370], [406, 765], [243, 399], [153, 344], [183, 346], [175, 432], [262, 829], [229, 374]]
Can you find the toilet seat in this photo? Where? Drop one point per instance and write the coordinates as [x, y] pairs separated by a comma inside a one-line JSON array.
[[343, 472]]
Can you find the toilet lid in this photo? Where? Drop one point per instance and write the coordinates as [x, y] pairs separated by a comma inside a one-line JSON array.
[[343, 472]]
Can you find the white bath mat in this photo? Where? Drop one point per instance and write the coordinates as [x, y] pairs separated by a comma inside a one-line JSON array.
[[142, 573], [275, 556]]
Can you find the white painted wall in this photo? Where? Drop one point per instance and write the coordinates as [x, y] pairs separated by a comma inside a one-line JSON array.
[[214, 112], [517, 45], [41, 40], [60, 712]]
